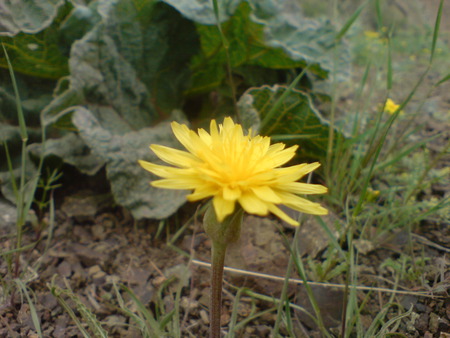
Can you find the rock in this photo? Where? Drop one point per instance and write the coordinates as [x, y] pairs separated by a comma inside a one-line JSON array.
[[84, 205], [313, 239], [260, 249], [8, 215], [329, 300]]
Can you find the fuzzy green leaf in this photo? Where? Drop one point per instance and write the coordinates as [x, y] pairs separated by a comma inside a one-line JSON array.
[[129, 182], [202, 11], [34, 44], [28, 16], [73, 150], [268, 34], [133, 63]]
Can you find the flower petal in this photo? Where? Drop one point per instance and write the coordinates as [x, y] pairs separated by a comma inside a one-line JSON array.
[[303, 205], [183, 134], [294, 173], [202, 150], [156, 169], [265, 193], [222, 207], [281, 214], [279, 158], [253, 205], [205, 137], [201, 193], [231, 194], [228, 125], [213, 129], [175, 183], [175, 157], [302, 188]]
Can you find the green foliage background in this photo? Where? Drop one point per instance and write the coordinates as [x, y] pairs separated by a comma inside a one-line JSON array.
[[106, 79]]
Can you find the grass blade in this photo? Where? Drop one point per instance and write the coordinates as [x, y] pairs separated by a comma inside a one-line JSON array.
[[11, 172], [145, 330], [350, 22], [444, 79], [87, 315], [154, 325], [22, 125], [389, 65], [379, 15], [57, 293], [436, 31], [33, 311], [270, 114], [384, 328]]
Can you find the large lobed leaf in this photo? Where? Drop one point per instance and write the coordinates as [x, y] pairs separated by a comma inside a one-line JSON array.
[[28, 16], [121, 152], [246, 47], [29, 31], [129, 71], [202, 11], [302, 39], [133, 61], [267, 33]]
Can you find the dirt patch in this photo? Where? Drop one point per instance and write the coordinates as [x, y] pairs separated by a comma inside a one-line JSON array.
[[88, 261]]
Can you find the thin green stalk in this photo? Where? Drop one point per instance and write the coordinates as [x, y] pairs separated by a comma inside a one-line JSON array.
[[301, 271], [34, 315], [221, 234], [215, 309], [379, 15], [24, 137], [357, 119], [350, 21], [176, 313], [349, 275], [144, 315], [396, 320], [389, 77], [253, 316], [277, 301], [234, 313], [284, 291], [332, 117], [437, 25], [23, 201], [11, 172]]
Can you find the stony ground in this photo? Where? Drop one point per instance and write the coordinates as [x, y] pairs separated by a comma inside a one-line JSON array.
[[92, 252]]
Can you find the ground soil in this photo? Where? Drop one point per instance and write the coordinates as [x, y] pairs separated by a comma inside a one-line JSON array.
[[92, 251]]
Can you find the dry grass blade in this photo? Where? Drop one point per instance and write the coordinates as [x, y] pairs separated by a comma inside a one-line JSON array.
[[340, 286]]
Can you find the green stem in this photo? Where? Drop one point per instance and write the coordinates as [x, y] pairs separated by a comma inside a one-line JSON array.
[[215, 310]]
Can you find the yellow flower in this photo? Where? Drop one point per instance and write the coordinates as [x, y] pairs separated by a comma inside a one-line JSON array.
[[232, 167], [372, 34], [390, 106]]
